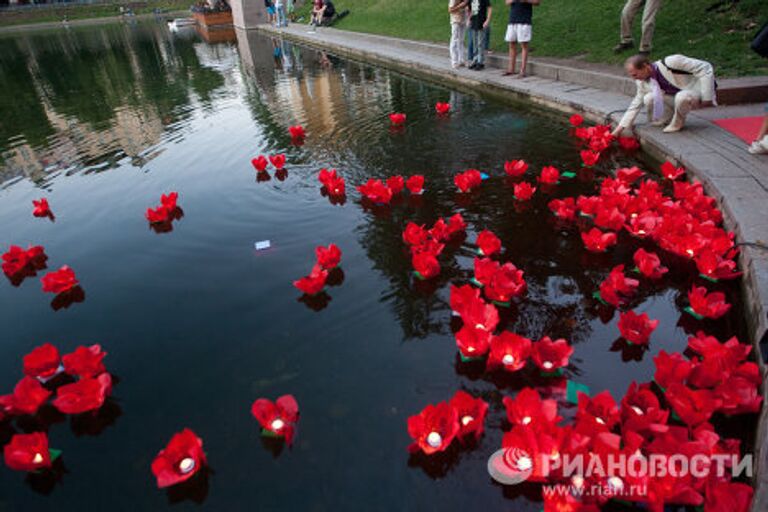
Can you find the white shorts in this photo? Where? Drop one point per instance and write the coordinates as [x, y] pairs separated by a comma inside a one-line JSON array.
[[518, 33]]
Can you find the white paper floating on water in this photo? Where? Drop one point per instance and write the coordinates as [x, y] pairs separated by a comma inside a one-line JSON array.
[[262, 245]]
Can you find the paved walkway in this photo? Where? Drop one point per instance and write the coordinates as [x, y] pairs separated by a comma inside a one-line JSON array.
[[736, 178]]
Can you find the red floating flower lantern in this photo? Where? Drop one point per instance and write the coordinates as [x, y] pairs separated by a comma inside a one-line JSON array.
[[415, 184], [278, 418], [43, 362], [87, 394], [528, 409], [396, 184], [649, 264], [59, 281], [635, 328], [376, 191], [41, 208], [672, 173], [473, 342], [85, 361], [506, 283], [260, 163], [28, 452], [524, 191], [442, 108], [434, 428], [328, 257], [598, 241], [17, 261], [296, 132], [515, 168], [397, 119], [707, 305], [576, 120], [278, 161], [333, 183], [313, 283], [564, 209], [471, 414], [180, 460], [468, 180], [425, 264], [549, 175], [509, 352], [28, 395], [589, 158], [550, 356], [488, 244]]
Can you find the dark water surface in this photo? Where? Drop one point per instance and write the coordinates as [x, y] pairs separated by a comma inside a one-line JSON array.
[[198, 324]]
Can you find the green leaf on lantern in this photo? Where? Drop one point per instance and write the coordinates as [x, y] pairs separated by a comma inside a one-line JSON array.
[[55, 454], [418, 275], [710, 279], [572, 390], [502, 304], [690, 311], [269, 433], [469, 359], [556, 373], [568, 174], [476, 282]]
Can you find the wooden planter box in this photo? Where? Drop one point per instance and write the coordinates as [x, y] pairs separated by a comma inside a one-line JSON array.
[[213, 19]]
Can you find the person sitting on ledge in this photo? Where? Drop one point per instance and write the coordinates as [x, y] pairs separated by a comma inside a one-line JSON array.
[[669, 88]]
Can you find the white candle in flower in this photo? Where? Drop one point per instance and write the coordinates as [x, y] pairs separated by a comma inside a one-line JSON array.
[[186, 465], [434, 439]]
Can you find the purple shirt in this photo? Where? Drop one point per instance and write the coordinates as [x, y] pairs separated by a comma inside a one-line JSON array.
[[664, 84]]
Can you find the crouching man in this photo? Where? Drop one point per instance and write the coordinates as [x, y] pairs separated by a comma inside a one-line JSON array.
[[669, 88]]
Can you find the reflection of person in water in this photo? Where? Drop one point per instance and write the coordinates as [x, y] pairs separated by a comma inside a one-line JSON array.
[[277, 53], [323, 59]]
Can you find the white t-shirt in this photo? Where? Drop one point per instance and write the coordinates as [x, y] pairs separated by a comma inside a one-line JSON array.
[[458, 16]]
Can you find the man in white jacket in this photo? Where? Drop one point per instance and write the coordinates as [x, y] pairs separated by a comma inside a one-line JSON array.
[[669, 88]]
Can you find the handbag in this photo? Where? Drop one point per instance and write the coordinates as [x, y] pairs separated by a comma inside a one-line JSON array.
[[760, 42]]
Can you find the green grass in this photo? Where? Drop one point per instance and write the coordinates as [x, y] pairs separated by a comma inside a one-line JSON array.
[[585, 29], [80, 12]]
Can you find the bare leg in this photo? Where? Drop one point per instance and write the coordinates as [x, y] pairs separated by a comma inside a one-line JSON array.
[[524, 62], [512, 59]]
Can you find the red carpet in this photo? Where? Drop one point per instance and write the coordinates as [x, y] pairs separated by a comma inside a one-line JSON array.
[[745, 128]]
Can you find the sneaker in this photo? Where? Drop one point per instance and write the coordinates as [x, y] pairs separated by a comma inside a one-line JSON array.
[[472, 66], [672, 128], [623, 46], [759, 147], [478, 67]]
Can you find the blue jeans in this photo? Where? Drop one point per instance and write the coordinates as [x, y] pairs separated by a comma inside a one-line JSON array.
[[471, 44], [281, 21], [477, 46]]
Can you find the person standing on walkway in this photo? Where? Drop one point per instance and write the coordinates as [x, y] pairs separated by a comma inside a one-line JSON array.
[[479, 18], [280, 13], [669, 88], [628, 14], [519, 31], [457, 10]]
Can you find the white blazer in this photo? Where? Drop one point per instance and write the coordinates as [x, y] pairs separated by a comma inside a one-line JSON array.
[[701, 80]]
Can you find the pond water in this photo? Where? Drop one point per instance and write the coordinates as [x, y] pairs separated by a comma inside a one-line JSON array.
[[198, 324]]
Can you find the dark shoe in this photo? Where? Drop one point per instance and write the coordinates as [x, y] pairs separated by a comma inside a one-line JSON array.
[[479, 67], [472, 66], [623, 46]]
